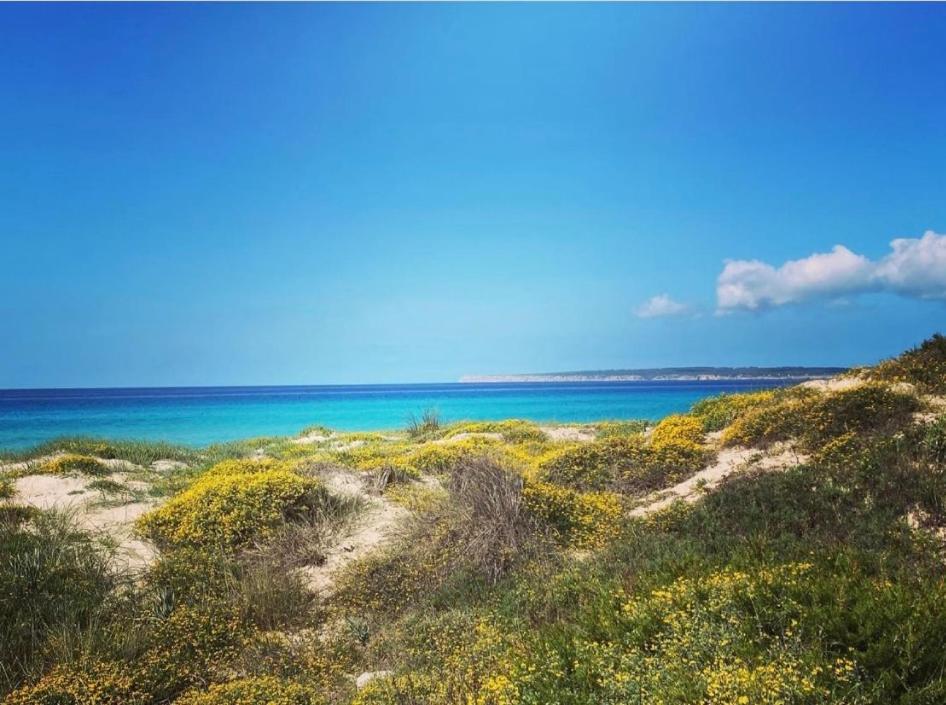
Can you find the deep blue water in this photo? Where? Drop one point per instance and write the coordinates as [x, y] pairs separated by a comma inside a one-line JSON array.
[[202, 415]]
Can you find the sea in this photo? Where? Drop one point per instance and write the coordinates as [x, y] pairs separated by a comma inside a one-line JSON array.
[[199, 416]]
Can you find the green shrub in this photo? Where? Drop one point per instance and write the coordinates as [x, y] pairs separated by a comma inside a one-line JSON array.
[[612, 429], [53, 582], [870, 409], [7, 488], [934, 440], [94, 683], [923, 366]]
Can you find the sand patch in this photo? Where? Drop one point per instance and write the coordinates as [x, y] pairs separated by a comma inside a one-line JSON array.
[[575, 434], [52, 491], [834, 384], [466, 435], [74, 495], [729, 461], [377, 525], [165, 466], [314, 437]]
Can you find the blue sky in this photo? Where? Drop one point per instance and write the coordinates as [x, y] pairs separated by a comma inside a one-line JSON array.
[[249, 194]]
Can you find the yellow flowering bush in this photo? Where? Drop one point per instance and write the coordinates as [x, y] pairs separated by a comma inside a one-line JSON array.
[[71, 463], [629, 463], [779, 418], [592, 466], [814, 418], [716, 413], [181, 650], [416, 497], [726, 638], [97, 683], [413, 460], [192, 643], [677, 429], [462, 658], [868, 409], [581, 519], [512, 430], [232, 504], [257, 690], [387, 581]]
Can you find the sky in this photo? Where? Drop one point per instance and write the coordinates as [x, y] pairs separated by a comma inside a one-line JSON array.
[[303, 194]]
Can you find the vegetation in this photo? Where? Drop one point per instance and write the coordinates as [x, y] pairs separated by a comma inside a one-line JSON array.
[[429, 422], [924, 367], [137, 452], [53, 579], [234, 503], [518, 574]]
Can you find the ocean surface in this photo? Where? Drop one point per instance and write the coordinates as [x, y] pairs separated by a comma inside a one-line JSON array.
[[202, 415]]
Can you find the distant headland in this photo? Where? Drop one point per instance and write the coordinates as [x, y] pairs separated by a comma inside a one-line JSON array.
[[665, 374]]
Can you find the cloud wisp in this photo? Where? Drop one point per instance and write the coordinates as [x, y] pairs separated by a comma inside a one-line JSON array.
[[915, 267], [661, 306]]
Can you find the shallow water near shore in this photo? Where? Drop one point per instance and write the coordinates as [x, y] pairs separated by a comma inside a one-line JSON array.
[[202, 415]]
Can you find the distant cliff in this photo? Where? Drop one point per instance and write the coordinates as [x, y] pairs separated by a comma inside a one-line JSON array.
[[665, 374]]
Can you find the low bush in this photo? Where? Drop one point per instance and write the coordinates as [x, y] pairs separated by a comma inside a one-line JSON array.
[[716, 413], [233, 504], [869, 409], [678, 429], [94, 683], [410, 461], [924, 367], [612, 429], [512, 430], [71, 463], [629, 464], [257, 690], [580, 519], [593, 466], [779, 418]]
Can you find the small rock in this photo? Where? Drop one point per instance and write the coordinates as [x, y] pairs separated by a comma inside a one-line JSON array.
[[368, 676]]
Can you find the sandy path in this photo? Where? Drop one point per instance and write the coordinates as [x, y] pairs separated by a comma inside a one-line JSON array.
[[728, 462], [377, 525]]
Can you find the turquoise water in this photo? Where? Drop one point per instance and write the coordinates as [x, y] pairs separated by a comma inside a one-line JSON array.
[[202, 415]]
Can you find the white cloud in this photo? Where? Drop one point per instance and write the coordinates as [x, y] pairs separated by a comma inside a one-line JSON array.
[[660, 305], [916, 267]]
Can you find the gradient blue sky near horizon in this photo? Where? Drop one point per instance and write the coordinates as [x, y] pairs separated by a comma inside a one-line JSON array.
[[301, 194]]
